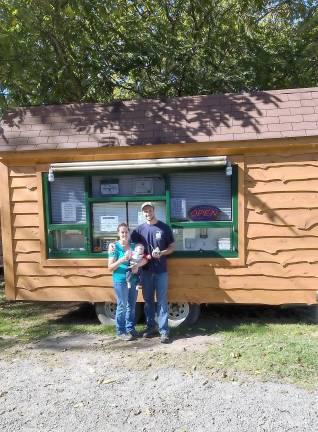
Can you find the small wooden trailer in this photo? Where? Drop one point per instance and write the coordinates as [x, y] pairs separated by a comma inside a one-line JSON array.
[[234, 175]]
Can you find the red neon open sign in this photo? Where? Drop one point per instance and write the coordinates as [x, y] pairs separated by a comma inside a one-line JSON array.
[[204, 213]]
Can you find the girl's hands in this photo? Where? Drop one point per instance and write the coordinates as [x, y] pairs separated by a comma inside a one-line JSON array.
[[126, 257], [111, 248]]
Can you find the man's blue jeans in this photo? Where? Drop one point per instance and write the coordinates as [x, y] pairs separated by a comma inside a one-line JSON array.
[[156, 283], [126, 307]]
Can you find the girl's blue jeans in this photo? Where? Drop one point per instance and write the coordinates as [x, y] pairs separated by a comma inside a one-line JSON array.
[[126, 306]]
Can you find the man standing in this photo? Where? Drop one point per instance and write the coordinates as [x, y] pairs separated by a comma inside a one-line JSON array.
[[159, 242]]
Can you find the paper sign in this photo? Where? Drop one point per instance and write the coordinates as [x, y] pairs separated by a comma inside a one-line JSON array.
[[178, 208], [68, 211], [109, 188], [144, 186], [108, 223]]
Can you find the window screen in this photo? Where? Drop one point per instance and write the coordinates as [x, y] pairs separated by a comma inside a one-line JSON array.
[[200, 203], [68, 200], [70, 240], [195, 189]]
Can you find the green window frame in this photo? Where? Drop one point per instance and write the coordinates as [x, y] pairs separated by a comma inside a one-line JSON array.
[[86, 228]]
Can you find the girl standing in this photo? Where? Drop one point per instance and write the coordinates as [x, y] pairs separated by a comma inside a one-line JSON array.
[[119, 255]]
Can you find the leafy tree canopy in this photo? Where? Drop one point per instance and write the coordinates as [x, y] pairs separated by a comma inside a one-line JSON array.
[[59, 51]]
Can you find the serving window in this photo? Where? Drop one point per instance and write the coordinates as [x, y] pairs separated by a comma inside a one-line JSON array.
[[83, 210]]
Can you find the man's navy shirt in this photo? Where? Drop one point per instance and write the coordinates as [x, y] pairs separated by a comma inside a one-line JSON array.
[[153, 236]]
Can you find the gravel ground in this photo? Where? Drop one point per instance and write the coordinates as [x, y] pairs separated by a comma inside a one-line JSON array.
[[84, 383]]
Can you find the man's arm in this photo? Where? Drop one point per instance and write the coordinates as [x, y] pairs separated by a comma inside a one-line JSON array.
[[171, 243], [171, 248], [157, 253]]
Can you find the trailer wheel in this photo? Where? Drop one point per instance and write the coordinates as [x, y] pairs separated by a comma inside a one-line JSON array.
[[182, 314], [313, 313], [106, 312]]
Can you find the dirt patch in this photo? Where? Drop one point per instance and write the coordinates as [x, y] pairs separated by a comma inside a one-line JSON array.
[[90, 382], [193, 343], [81, 382]]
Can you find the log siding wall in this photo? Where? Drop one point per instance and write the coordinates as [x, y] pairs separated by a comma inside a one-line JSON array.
[[1, 257], [281, 248]]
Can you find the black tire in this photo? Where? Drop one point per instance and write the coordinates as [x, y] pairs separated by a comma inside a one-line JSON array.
[[106, 312], [183, 314], [312, 313]]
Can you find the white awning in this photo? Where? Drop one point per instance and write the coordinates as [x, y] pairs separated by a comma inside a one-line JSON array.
[[140, 164]]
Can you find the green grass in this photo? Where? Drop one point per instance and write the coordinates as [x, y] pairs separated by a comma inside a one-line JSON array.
[[261, 341], [23, 322], [286, 351]]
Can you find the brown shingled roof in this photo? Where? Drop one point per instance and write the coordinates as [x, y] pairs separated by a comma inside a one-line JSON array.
[[229, 117]]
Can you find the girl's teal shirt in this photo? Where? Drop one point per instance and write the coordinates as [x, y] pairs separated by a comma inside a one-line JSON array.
[[119, 275]]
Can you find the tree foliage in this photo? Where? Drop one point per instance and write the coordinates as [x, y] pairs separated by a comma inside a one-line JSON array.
[[58, 51]]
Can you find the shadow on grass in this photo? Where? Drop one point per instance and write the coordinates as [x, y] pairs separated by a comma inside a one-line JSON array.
[[22, 322], [228, 318]]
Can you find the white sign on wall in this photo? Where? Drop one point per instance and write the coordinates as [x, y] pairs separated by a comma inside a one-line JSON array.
[[108, 223], [107, 188], [68, 211]]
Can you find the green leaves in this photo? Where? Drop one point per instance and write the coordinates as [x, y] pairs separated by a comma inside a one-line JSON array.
[[82, 50]]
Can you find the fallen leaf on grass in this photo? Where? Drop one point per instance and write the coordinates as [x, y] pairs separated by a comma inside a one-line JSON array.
[[78, 405], [137, 411], [149, 412], [235, 354]]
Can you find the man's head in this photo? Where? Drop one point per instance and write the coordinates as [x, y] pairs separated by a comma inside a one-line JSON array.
[[148, 210]]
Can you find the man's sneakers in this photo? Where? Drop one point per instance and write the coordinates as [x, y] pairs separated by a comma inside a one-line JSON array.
[[153, 332], [133, 334], [130, 336], [164, 338], [150, 333]]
